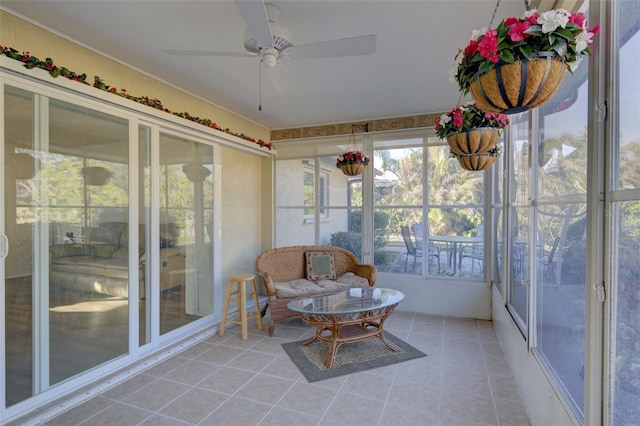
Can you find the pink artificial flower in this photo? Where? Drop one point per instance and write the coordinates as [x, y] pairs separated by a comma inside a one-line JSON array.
[[488, 46], [472, 48], [437, 123], [595, 30], [533, 19], [511, 21], [458, 120], [517, 31], [578, 19]]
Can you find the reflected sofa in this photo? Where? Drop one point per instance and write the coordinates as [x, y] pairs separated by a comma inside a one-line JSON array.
[[100, 264]]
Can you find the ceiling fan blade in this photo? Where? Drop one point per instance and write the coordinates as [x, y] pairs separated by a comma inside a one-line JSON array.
[[180, 52], [354, 46], [255, 16]]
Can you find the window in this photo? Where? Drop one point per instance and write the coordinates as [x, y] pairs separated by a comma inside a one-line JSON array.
[[310, 193]]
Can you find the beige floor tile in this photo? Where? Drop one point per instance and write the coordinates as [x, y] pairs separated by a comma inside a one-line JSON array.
[[355, 410], [308, 399], [165, 367], [196, 350], [424, 396], [468, 405], [471, 381], [219, 354], [119, 414], [398, 414], [371, 385], [283, 417], [238, 412], [160, 420], [271, 345], [128, 387], [267, 389], [460, 421], [156, 394], [227, 380], [282, 366], [234, 340], [511, 412], [82, 412], [253, 361], [195, 405], [192, 372]]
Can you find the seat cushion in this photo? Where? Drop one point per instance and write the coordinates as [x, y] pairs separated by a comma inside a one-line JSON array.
[[352, 280], [331, 285], [297, 288]]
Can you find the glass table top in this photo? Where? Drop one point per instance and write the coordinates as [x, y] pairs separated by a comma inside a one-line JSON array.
[[349, 301]]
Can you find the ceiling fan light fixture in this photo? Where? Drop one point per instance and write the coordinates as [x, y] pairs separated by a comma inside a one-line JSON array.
[[270, 60]]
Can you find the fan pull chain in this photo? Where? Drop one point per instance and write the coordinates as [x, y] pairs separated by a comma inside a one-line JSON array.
[[260, 84]]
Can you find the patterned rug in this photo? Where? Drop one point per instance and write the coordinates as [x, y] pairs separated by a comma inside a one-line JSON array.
[[311, 359]]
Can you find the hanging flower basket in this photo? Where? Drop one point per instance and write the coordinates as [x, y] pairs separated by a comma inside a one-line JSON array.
[[476, 162], [352, 169], [468, 130], [517, 87], [520, 64], [95, 176], [352, 163], [473, 141]]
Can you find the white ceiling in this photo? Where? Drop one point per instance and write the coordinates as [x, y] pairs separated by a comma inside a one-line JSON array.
[[407, 75]]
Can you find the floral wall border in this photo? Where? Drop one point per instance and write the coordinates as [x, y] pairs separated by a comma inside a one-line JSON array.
[[386, 124], [31, 62]]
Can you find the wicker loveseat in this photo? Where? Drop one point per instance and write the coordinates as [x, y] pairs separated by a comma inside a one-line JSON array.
[[284, 269]]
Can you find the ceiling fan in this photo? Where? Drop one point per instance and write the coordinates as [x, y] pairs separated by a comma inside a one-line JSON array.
[[273, 42]]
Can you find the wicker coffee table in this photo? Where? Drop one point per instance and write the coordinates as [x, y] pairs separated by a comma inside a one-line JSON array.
[[348, 316]]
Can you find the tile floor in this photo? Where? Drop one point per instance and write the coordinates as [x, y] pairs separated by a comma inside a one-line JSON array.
[[464, 380]]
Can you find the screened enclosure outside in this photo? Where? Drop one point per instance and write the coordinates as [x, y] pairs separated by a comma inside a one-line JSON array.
[[318, 205]]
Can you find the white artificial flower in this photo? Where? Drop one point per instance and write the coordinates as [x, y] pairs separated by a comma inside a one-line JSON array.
[[574, 65], [583, 40], [476, 34], [553, 19], [459, 58], [444, 119], [453, 75], [528, 14]]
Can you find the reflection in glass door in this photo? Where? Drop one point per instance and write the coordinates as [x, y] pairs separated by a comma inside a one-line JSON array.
[[186, 231], [66, 217]]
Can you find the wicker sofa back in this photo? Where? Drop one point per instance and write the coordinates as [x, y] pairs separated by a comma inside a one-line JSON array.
[[286, 264]]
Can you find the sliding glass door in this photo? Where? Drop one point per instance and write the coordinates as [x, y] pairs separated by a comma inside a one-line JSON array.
[[66, 219]]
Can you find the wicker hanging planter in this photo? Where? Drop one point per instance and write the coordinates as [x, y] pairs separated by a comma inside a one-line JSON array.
[[352, 163], [352, 169], [476, 162], [517, 87], [471, 141]]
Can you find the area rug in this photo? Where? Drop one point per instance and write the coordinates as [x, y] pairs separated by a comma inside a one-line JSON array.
[[353, 357]]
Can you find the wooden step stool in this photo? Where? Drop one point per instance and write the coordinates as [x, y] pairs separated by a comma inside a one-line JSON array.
[[240, 297]]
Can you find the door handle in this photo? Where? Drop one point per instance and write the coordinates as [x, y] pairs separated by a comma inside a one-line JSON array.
[[4, 246]]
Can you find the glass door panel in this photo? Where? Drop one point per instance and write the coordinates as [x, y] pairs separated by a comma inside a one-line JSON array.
[[82, 196], [19, 157], [66, 209], [624, 216], [185, 243]]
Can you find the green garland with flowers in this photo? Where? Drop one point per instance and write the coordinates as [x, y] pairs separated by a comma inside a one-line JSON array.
[[31, 62]]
